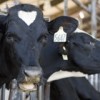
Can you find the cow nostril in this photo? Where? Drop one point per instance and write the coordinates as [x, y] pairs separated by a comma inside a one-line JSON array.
[[26, 74], [33, 71]]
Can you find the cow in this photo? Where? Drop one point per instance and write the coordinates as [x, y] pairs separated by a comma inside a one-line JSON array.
[[85, 48], [79, 48], [51, 56], [21, 43], [24, 32], [66, 89]]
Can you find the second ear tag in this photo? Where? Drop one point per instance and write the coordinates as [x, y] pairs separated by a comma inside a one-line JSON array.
[[60, 35]]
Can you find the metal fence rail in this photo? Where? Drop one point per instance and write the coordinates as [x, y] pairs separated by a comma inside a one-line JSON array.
[[95, 81], [4, 93]]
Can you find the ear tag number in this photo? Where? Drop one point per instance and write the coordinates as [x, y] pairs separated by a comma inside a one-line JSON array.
[[60, 35]]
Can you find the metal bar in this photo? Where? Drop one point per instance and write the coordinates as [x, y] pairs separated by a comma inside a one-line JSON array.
[[99, 82], [79, 3], [13, 90], [93, 18], [3, 92], [41, 92], [47, 92], [33, 95], [23, 95], [65, 7]]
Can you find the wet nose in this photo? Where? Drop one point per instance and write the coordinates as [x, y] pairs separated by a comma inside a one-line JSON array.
[[33, 71], [32, 76]]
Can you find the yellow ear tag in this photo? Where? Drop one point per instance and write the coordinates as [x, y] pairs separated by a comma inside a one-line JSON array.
[[60, 35]]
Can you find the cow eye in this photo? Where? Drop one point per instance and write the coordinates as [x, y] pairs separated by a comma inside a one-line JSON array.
[[12, 37], [42, 39]]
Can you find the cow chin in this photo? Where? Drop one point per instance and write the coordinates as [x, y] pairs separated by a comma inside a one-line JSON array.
[[32, 77], [28, 87]]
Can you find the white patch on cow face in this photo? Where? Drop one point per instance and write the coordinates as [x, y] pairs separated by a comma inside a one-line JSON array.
[[60, 35], [65, 74], [27, 17]]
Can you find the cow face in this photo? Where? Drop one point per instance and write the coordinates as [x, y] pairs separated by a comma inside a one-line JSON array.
[[24, 36]]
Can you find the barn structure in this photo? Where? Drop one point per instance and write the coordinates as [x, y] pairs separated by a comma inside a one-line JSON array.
[[85, 11]]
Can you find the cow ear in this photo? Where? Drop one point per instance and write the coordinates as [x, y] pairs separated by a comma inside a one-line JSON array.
[[2, 26], [69, 24]]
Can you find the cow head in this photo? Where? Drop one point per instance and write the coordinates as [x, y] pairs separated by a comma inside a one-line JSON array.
[[68, 25], [25, 34]]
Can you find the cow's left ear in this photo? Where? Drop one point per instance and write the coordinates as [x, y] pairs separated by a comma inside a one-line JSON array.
[[69, 24]]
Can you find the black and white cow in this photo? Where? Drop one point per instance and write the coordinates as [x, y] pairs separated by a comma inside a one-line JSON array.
[[51, 56], [23, 34], [84, 51]]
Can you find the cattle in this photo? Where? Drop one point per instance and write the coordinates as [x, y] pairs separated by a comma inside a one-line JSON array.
[[73, 89], [23, 56], [65, 89], [51, 56], [21, 43], [84, 51]]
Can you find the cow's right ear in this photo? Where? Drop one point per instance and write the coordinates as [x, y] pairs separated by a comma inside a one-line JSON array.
[[2, 25], [69, 24]]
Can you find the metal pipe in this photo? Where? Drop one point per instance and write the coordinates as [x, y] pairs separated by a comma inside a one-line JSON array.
[[13, 90], [93, 18], [79, 3], [65, 7], [3, 92], [47, 91], [41, 92]]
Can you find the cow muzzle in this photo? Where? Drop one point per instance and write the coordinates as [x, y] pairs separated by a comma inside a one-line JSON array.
[[32, 77]]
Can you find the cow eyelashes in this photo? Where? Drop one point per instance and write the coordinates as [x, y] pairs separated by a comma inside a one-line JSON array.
[[42, 39], [12, 37]]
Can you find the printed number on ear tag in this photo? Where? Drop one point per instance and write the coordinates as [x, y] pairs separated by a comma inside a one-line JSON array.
[[60, 35]]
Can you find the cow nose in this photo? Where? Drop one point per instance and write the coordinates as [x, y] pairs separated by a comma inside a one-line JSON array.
[[32, 76], [33, 71]]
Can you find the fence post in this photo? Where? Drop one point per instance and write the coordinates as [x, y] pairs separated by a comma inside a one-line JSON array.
[[3, 92]]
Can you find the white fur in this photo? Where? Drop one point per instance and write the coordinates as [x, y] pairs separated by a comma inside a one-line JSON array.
[[65, 57], [65, 74], [79, 30], [27, 17]]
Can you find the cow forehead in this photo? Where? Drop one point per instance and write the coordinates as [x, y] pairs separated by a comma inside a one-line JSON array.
[[27, 10], [27, 17], [30, 15]]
